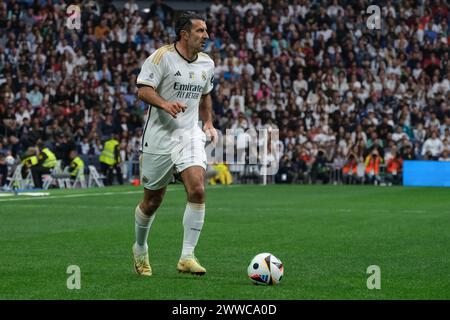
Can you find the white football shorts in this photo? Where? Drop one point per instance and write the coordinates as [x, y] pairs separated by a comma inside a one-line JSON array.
[[156, 170]]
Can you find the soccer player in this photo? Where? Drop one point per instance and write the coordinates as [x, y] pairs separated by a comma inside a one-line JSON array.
[[176, 82]]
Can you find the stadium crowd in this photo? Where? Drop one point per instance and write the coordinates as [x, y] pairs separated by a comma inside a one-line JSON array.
[[341, 94]]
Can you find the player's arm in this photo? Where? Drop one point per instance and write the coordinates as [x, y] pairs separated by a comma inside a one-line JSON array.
[[205, 113], [151, 75], [149, 95]]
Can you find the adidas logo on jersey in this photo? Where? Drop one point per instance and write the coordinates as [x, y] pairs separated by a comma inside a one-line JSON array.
[[178, 74]]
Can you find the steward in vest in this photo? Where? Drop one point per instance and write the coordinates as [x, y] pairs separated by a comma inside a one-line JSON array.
[[28, 159], [223, 175], [46, 162], [76, 165], [110, 160]]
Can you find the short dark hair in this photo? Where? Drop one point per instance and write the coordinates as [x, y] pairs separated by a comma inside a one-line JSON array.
[[184, 22]]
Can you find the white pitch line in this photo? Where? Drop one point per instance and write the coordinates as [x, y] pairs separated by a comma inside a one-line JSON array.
[[80, 195]]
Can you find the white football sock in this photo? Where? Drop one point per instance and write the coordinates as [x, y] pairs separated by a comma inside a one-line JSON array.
[[142, 228], [193, 219]]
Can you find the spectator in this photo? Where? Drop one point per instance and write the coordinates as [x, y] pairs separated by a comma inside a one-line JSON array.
[[131, 6], [215, 7], [35, 97], [445, 156], [432, 147], [419, 133], [162, 10], [102, 31]]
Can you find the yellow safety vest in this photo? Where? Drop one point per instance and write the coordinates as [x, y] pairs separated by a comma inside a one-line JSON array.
[[50, 162], [221, 167], [108, 153], [31, 160], [77, 164]]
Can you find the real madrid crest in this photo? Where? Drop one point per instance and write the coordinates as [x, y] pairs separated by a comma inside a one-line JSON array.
[[203, 75]]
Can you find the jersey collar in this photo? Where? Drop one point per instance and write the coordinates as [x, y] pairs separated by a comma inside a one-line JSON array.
[[187, 60]]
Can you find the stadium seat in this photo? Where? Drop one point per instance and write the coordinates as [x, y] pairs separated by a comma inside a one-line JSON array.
[[62, 178], [16, 180], [95, 177], [80, 180]]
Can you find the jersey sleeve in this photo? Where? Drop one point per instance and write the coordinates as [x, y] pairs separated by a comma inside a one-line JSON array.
[[210, 83], [151, 72]]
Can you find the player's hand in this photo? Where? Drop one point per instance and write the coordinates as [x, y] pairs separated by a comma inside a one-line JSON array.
[[210, 131], [173, 108]]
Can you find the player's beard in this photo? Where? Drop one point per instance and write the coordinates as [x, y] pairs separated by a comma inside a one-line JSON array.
[[202, 46], [197, 48]]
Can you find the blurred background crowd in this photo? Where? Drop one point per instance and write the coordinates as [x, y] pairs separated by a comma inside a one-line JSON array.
[[350, 102]]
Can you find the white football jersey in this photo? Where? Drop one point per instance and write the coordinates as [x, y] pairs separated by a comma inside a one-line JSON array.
[[175, 79]]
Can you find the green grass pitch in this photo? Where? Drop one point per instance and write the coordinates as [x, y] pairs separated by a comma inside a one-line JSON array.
[[326, 236]]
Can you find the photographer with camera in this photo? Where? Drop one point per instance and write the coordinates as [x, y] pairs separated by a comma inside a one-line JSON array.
[[373, 162]]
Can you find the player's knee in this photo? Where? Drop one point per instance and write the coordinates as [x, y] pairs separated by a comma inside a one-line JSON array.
[[150, 206], [197, 194]]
